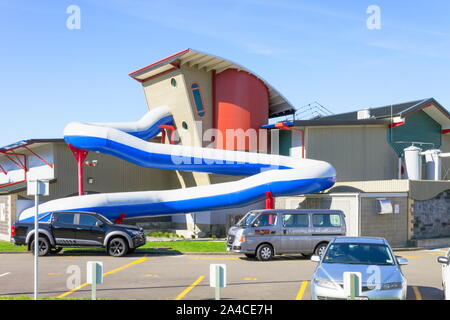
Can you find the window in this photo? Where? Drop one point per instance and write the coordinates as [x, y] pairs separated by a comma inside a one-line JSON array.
[[266, 220], [359, 253], [88, 220], [196, 93], [66, 218], [295, 220], [326, 220]]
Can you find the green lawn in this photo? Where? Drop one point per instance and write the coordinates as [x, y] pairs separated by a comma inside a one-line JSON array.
[[186, 246], [181, 246], [7, 246]]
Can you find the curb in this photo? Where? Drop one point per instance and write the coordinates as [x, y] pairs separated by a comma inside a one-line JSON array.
[[172, 253], [13, 252]]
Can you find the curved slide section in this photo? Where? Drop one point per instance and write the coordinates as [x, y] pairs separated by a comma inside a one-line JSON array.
[[280, 175]]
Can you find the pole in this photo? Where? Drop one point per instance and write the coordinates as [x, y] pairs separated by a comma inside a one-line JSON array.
[[94, 282], [218, 278], [36, 241]]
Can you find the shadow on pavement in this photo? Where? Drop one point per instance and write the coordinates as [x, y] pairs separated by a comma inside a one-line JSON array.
[[100, 252], [424, 293]]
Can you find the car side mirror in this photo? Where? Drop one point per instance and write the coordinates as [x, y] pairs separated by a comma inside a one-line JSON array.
[[99, 224], [315, 258], [443, 260], [402, 261]]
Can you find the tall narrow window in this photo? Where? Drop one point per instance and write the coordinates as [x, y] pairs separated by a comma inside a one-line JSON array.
[[196, 93]]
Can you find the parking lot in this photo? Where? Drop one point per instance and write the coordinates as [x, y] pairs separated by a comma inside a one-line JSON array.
[[162, 277]]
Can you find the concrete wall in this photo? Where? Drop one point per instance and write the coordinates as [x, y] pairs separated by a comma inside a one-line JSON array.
[[357, 153], [431, 218], [392, 227], [7, 216]]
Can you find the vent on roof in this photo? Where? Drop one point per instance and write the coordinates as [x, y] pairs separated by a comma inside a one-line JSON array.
[[363, 114]]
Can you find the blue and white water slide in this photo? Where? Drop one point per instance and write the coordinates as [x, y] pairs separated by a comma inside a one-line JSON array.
[[280, 175]]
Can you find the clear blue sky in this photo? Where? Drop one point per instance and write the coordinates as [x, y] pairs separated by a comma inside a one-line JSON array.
[[315, 50]]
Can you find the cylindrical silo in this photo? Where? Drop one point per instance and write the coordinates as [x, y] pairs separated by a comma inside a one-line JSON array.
[[242, 106], [413, 163], [433, 162]]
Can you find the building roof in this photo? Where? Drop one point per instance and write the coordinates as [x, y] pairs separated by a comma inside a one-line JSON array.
[[430, 106], [278, 104], [24, 143]]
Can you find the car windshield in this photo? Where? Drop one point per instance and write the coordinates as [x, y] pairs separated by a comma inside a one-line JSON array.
[[247, 220], [359, 253]]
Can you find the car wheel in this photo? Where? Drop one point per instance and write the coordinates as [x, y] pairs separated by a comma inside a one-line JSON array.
[[55, 250], [320, 249], [117, 247], [43, 246], [264, 252], [250, 255]]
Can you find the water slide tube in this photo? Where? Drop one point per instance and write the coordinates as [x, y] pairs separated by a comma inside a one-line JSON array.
[[280, 175]]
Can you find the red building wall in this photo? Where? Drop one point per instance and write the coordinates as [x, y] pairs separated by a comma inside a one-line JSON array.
[[241, 102]]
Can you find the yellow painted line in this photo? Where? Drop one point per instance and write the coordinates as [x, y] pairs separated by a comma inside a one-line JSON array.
[[417, 293], [412, 257], [250, 279], [215, 258], [104, 274], [151, 275], [186, 291], [302, 290], [55, 273], [73, 290]]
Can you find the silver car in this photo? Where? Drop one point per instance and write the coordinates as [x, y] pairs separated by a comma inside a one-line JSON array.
[[371, 258], [265, 233]]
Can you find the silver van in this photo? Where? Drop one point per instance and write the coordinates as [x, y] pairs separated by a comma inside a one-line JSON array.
[[265, 233]]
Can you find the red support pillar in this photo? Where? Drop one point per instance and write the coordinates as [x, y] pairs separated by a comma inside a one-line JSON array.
[[269, 201], [80, 156], [171, 129], [270, 205]]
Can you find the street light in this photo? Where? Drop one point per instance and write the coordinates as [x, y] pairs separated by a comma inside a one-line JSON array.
[[37, 188]]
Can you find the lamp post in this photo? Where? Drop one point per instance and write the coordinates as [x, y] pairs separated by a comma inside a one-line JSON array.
[[37, 187]]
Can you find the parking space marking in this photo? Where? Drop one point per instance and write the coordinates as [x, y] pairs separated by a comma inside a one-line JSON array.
[[4, 274], [104, 274], [302, 290], [250, 279], [192, 286], [417, 293]]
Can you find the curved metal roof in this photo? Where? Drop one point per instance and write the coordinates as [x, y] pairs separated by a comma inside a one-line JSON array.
[[278, 104]]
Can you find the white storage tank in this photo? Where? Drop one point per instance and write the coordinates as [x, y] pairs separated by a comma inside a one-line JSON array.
[[413, 162], [433, 162]]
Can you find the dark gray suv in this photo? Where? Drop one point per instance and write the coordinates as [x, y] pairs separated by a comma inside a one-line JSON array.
[[60, 230]]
